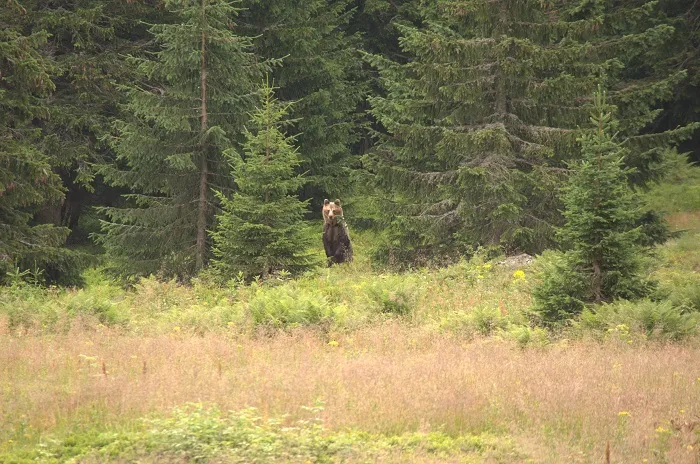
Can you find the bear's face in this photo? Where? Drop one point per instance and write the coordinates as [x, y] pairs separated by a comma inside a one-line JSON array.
[[331, 211]]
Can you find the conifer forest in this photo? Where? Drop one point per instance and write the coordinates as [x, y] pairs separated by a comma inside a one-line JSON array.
[[350, 231]]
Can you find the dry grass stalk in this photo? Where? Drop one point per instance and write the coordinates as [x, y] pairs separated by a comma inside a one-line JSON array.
[[562, 403]]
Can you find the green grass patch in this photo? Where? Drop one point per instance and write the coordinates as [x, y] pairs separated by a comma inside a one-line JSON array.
[[200, 433]]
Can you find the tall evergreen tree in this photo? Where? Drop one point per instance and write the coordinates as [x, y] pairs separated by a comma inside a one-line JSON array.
[[27, 180], [638, 40], [188, 109], [86, 44], [479, 121], [321, 71], [377, 21], [682, 53], [261, 229], [603, 257]]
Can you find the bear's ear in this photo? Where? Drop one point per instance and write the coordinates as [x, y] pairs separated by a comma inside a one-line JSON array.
[[337, 202], [325, 202]]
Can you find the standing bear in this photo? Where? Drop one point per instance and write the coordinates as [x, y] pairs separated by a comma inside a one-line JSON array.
[[336, 238]]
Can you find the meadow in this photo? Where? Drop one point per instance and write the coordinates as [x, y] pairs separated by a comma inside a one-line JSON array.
[[357, 364]]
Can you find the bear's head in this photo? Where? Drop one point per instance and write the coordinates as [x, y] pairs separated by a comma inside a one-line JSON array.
[[331, 211]]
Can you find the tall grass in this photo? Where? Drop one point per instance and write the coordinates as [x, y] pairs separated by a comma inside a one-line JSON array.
[[389, 379]]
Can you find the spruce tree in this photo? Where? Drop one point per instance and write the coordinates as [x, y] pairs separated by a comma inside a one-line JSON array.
[[681, 53], [478, 123], [27, 180], [322, 72], [377, 21], [602, 261], [261, 228], [637, 43], [86, 45], [187, 110]]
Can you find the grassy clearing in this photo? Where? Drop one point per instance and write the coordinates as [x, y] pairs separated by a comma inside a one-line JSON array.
[[428, 366]]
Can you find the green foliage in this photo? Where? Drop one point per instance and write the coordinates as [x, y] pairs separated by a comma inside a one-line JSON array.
[[202, 433], [678, 276], [679, 191], [602, 260], [260, 230], [378, 22], [561, 290], [186, 109], [28, 306], [339, 298], [680, 52], [480, 120], [288, 306], [483, 320], [653, 320], [321, 72], [87, 42], [394, 294], [527, 336], [27, 179], [100, 306]]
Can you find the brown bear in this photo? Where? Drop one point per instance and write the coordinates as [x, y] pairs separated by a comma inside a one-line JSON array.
[[336, 238]]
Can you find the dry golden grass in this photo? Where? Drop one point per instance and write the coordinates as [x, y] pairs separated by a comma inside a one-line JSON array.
[[559, 404]]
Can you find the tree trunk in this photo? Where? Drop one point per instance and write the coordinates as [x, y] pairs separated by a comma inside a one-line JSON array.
[[500, 77], [201, 245], [597, 282], [597, 272]]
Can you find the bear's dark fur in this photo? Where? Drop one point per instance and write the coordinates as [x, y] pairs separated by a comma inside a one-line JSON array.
[[336, 238]]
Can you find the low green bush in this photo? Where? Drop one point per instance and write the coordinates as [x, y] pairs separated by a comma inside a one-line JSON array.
[[650, 319], [289, 306], [91, 303], [199, 433], [394, 294], [487, 320], [527, 336]]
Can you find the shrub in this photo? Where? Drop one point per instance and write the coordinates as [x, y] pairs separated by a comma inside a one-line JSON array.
[[557, 294], [394, 294], [681, 289], [525, 336], [653, 320], [483, 320], [288, 306], [93, 304]]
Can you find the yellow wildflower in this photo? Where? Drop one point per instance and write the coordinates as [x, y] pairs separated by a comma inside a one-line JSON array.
[[623, 413], [519, 275], [333, 343]]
